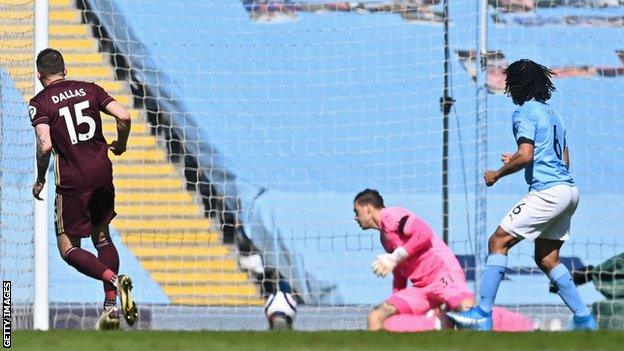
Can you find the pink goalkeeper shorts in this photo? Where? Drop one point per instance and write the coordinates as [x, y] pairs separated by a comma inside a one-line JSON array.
[[449, 288]]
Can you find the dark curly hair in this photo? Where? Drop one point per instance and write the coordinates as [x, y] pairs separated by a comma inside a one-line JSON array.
[[528, 80]]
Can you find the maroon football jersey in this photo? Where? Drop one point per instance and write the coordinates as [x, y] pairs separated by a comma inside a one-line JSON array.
[[72, 109]]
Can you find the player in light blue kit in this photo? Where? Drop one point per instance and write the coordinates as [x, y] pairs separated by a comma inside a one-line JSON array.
[[544, 214]]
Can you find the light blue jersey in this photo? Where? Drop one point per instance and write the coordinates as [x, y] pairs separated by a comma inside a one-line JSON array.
[[538, 122]]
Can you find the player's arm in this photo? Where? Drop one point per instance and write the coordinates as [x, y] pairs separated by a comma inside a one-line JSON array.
[[419, 236], [519, 160], [524, 129], [122, 116], [566, 152], [566, 157], [418, 239], [44, 149]]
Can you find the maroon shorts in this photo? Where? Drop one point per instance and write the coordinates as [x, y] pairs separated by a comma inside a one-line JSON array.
[[75, 215]]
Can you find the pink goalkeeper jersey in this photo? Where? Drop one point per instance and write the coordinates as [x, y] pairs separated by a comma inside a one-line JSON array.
[[429, 257]]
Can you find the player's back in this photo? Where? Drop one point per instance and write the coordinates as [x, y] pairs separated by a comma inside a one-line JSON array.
[[549, 137], [72, 109]]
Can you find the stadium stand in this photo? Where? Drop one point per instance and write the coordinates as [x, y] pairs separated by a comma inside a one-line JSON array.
[[200, 270]]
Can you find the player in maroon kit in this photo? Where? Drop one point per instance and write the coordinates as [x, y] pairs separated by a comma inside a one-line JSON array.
[[66, 117]]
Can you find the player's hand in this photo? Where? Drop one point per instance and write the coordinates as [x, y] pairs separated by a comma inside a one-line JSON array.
[[505, 158], [386, 263], [116, 148], [383, 265], [490, 177], [37, 188]]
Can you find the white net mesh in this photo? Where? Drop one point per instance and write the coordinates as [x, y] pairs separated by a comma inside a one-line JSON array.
[[16, 156], [255, 123], [271, 124]]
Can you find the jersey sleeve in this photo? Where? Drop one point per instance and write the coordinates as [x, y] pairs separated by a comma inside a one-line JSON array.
[[523, 127], [36, 113], [102, 97], [418, 234]]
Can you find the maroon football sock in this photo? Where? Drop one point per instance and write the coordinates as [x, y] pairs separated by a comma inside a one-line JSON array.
[[107, 254], [85, 262]]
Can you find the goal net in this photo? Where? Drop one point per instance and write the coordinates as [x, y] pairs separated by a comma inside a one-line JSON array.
[[255, 123], [16, 157]]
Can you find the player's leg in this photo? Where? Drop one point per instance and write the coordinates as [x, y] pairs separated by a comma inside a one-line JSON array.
[[101, 207], [84, 261], [72, 223], [65, 243], [379, 314], [524, 220], [498, 246], [102, 211], [547, 258], [480, 316], [434, 319], [107, 254], [120, 285], [450, 288], [547, 248], [405, 310], [454, 292], [450, 291], [117, 285], [502, 319], [465, 304], [508, 321], [528, 219]]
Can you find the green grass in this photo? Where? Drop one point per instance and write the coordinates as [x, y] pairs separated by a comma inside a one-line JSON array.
[[336, 340]]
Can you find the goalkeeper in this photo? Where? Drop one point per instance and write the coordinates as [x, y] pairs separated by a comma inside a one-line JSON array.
[[417, 255]]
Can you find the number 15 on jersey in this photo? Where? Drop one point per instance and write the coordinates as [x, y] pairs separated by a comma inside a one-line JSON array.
[[80, 119]]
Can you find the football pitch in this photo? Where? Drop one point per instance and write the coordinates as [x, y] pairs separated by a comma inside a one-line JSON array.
[[330, 340]]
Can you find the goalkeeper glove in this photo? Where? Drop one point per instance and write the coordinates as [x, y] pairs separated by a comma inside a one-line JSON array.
[[386, 263]]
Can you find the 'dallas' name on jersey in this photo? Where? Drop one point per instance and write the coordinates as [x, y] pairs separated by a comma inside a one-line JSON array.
[[68, 94]]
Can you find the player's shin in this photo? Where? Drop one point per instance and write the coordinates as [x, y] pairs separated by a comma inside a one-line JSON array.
[[560, 275], [107, 254], [490, 280]]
